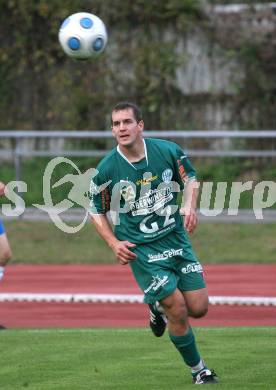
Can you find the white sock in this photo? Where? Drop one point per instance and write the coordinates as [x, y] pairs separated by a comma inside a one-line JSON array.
[[198, 367]]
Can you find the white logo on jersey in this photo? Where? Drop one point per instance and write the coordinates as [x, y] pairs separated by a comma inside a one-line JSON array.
[[152, 201], [165, 255], [196, 267], [167, 175], [157, 282]]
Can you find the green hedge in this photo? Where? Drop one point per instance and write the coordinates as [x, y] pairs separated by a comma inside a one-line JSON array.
[[43, 89]]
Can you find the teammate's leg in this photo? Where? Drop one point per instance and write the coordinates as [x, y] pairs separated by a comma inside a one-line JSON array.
[[5, 250]]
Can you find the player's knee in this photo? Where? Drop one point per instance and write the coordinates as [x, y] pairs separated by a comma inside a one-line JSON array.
[[5, 256], [176, 312], [197, 303], [198, 311]]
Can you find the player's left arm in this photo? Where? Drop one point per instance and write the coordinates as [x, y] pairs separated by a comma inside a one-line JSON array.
[[189, 205], [186, 176]]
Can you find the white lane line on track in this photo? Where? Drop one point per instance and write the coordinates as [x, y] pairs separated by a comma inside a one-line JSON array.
[[126, 298]]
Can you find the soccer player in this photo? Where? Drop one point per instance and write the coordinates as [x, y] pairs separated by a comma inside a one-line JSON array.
[[138, 183], [5, 250]]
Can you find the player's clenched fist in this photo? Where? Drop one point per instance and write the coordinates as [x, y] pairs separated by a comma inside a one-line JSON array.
[[122, 252], [2, 188], [190, 219]]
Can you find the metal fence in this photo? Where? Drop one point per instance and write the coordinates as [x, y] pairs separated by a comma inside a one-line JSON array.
[[18, 152]]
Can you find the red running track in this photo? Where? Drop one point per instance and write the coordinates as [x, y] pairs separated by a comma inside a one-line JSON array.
[[224, 280]]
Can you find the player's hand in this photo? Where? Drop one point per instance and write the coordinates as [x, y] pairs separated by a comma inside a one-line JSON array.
[[190, 218], [2, 188], [122, 252]]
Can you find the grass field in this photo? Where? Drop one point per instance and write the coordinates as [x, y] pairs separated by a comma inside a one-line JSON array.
[[42, 242], [101, 359]]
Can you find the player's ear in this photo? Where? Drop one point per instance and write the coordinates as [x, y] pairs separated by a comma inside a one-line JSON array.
[[141, 125]]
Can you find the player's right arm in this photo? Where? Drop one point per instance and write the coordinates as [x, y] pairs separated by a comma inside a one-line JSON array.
[[99, 206], [120, 248]]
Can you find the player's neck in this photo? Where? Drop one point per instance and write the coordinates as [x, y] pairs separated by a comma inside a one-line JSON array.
[[134, 152]]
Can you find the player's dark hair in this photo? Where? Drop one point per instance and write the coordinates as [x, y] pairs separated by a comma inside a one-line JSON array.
[[125, 105]]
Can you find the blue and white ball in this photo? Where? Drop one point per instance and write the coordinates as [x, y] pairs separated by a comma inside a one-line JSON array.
[[83, 35]]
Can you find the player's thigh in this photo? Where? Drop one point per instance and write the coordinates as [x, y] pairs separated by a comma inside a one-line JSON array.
[[197, 302], [5, 250]]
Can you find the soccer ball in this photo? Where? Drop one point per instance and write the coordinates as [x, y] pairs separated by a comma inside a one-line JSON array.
[[82, 35]]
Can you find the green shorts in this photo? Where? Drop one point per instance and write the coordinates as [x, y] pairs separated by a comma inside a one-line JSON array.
[[164, 265]]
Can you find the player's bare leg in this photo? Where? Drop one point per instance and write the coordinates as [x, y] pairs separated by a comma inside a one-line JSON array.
[[181, 334], [5, 253], [197, 302]]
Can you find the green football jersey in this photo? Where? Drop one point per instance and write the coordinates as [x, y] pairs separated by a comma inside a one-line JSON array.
[[142, 197]]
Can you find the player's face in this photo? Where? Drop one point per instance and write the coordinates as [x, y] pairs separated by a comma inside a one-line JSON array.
[[125, 128]]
